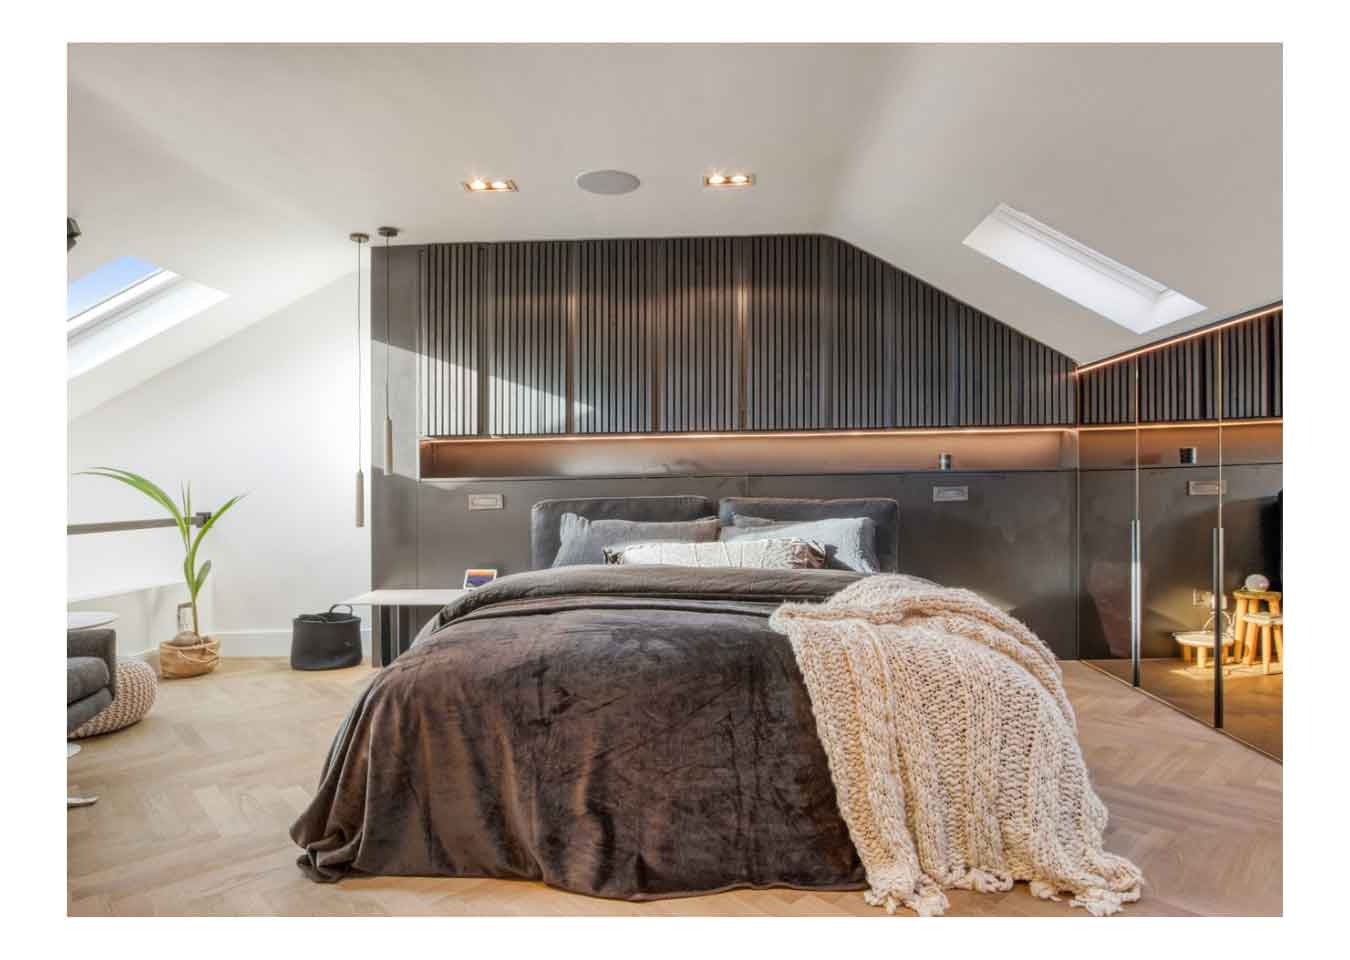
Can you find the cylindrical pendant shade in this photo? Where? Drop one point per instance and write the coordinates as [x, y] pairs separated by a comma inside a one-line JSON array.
[[388, 446], [360, 498]]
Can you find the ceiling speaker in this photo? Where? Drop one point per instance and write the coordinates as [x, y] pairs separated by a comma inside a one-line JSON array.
[[608, 182]]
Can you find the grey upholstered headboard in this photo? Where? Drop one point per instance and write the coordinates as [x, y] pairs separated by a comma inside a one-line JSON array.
[[546, 515], [883, 511]]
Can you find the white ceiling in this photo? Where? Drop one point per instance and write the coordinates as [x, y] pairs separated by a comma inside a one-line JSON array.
[[245, 167]]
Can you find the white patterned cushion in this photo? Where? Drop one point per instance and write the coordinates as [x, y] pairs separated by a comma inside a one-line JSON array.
[[782, 553]]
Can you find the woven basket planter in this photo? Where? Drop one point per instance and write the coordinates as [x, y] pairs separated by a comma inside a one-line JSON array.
[[188, 661]]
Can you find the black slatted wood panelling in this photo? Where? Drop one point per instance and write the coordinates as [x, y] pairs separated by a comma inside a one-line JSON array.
[[451, 291], [527, 337], [715, 334], [1184, 382], [697, 363], [618, 299], [785, 378]]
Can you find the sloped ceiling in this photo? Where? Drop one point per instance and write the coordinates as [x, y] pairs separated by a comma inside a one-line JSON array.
[[245, 167]]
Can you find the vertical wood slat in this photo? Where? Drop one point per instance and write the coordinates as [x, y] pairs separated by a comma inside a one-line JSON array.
[[527, 323], [715, 334], [699, 359], [450, 340], [783, 334], [1180, 383], [618, 297]]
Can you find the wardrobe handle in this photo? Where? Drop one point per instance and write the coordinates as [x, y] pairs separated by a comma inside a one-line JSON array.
[[1216, 569], [1136, 601]]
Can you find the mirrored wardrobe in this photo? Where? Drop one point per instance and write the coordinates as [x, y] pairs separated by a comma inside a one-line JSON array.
[[1180, 526]]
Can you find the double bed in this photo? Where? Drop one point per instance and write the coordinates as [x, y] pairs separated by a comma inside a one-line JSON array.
[[627, 731]]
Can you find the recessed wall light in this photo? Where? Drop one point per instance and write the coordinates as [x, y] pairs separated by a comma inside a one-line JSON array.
[[729, 180], [488, 185], [1039, 252]]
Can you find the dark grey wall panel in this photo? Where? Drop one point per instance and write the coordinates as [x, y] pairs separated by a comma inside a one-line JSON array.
[[1184, 381], [1012, 541], [526, 337], [697, 361]]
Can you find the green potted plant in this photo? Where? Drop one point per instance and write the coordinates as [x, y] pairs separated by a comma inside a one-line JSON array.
[[187, 654]]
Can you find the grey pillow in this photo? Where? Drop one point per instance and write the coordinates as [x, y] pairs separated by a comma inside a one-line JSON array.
[[850, 542], [584, 541], [776, 553]]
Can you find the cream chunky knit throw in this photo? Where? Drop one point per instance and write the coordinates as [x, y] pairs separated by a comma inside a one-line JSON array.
[[953, 748]]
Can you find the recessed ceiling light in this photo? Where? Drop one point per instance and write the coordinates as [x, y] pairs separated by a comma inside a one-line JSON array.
[[729, 180], [485, 185], [608, 182], [1074, 270]]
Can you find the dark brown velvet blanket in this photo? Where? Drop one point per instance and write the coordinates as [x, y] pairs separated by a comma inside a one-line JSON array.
[[631, 732]]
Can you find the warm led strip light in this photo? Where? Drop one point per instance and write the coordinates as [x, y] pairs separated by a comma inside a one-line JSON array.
[[1183, 425], [765, 434], [1162, 344]]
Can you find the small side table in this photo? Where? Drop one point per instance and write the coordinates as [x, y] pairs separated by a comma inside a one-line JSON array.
[[1247, 634], [385, 646]]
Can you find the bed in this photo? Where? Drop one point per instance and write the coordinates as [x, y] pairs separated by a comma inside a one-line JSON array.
[[640, 732], [629, 732]]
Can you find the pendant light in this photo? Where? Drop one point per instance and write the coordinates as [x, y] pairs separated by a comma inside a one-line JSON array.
[[358, 239], [387, 232]]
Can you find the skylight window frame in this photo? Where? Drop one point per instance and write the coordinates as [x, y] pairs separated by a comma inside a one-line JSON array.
[[112, 308], [1042, 248]]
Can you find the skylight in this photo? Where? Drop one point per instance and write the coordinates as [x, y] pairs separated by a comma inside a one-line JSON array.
[[114, 277], [1071, 269], [121, 305]]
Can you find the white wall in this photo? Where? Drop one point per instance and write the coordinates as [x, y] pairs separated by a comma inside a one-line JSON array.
[[270, 412]]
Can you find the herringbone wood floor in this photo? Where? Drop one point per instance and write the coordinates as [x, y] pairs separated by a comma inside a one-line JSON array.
[[197, 799]]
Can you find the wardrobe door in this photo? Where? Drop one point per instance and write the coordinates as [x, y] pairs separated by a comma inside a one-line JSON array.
[[1108, 521]]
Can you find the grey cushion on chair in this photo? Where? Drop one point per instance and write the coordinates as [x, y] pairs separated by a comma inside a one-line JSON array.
[[85, 676], [883, 511], [546, 517], [91, 673]]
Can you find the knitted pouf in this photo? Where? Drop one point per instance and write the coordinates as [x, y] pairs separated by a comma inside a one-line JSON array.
[[136, 688]]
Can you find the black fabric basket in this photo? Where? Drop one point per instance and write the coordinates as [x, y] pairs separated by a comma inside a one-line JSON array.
[[326, 641]]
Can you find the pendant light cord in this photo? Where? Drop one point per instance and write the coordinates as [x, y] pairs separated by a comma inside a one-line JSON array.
[[358, 356], [388, 345]]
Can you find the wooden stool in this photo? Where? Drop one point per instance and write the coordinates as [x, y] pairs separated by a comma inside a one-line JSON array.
[[1249, 601], [1270, 624], [1201, 642]]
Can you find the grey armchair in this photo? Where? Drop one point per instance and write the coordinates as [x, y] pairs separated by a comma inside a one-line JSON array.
[[91, 673]]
